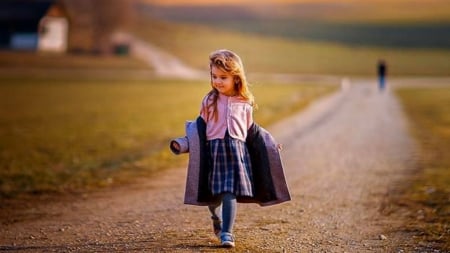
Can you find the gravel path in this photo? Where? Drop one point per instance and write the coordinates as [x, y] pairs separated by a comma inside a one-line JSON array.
[[342, 156], [164, 63]]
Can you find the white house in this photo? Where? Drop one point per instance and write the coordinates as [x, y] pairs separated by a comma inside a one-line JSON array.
[[54, 30]]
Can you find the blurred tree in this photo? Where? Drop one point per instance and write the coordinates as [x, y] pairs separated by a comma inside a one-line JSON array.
[[109, 16], [94, 21]]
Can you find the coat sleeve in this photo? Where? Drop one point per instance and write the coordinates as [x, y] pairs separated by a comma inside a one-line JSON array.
[[182, 142]]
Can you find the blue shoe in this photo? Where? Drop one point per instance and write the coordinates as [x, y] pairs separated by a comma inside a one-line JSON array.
[[227, 240]]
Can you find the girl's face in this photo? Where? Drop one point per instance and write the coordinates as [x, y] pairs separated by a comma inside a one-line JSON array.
[[222, 81]]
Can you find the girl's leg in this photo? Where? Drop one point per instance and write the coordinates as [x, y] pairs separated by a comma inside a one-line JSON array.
[[215, 211], [224, 221], [228, 215], [216, 218], [228, 212]]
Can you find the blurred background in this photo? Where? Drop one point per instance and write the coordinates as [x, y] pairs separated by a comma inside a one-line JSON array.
[[276, 36]]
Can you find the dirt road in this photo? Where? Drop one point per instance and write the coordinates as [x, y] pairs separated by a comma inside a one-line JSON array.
[[163, 63], [342, 156]]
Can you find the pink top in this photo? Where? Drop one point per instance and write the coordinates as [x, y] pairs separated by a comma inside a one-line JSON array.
[[234, 114]]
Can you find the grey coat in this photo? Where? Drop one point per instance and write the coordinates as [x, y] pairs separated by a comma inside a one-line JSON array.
[[269, 182]]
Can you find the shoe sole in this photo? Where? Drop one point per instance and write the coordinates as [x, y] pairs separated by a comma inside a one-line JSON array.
[[228, 244]]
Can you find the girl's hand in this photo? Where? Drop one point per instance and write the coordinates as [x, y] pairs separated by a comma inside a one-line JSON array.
[[176, 146], [280, 147]]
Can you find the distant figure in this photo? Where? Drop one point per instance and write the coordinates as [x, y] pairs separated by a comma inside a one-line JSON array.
[[381, 74]]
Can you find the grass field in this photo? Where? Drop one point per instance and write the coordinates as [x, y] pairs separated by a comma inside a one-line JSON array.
[[282, 55], [380, 24], [424, 36], [429, 195], [29, 59], [66, 135]]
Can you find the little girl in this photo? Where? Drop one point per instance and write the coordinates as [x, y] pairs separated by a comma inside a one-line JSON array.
[[231, 158]]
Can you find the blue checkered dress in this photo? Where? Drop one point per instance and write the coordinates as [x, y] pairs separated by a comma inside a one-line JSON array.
[[230, 167]]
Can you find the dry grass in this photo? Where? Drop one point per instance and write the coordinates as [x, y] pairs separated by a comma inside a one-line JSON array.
[[26, 60], [62, 135], [428, 197], [277, 55]]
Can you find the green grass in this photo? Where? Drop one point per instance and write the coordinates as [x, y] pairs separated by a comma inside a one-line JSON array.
[[429, 111], [60, 135], [384, 35], [280, 55], [25, 60], [384, 24]]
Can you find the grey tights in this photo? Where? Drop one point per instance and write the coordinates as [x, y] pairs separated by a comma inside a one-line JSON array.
[[228, 215]]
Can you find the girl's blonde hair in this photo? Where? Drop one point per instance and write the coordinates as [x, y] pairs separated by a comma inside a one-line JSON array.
[[231, 63]]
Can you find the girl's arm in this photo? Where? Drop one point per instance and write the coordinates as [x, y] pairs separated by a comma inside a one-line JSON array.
[[204, 108], [249, 116], [250, 122]]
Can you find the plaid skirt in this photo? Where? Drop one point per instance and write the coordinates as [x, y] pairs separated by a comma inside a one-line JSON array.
[[230, 165]]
